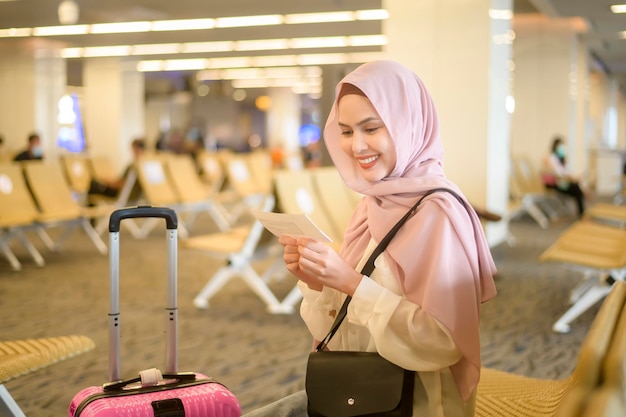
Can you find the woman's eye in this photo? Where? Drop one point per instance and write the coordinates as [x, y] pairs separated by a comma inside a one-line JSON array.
[[346, 132], [371, 129]]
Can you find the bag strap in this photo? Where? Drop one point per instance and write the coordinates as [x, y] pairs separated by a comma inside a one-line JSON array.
[[369, 265]]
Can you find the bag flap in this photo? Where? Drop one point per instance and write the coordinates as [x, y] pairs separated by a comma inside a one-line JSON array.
[[344, 384]]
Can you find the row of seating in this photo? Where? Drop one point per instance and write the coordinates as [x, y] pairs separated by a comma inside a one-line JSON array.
[[318, 192], [596, 247], [596, 387], [34, 196]]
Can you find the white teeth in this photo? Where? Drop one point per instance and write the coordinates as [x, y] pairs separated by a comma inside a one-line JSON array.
[[369, 160]]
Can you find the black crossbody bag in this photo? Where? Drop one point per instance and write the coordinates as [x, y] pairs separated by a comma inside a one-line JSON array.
[[352, 384]]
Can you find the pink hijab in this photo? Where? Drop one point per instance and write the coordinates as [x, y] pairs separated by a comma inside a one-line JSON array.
[[422, 254]]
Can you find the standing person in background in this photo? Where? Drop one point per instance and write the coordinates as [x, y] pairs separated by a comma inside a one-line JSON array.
[[556, 176], [34, 151], [420, 308]]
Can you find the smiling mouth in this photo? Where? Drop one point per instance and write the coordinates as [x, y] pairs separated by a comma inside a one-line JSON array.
[[368, 162]]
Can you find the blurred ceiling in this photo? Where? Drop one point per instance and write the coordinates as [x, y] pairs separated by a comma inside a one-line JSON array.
[[603, 36]]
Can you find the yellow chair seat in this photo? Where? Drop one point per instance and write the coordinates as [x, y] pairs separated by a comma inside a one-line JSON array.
[[19, 357]]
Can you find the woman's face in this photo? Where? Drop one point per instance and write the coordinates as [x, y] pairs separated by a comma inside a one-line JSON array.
[[365, 138]]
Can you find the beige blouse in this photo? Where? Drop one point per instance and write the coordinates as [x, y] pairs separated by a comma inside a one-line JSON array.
[[380, 320]]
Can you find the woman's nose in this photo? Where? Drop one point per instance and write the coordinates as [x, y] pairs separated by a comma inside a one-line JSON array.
[[358, 143]]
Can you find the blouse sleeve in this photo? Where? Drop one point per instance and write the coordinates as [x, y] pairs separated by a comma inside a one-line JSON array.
[[319, 309], [403, 333], [401, 330]]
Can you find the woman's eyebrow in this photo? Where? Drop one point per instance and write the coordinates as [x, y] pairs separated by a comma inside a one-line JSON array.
[[366, 120]]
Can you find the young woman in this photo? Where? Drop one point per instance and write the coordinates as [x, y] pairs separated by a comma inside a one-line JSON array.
[[420, 307]]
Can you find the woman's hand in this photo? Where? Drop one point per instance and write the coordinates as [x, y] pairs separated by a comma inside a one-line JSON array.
[[291, 257], [321, 264]]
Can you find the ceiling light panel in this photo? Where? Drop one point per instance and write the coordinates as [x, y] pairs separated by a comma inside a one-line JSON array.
[[376, 14], [618, 8], [242, 21], [156, 49], [187, 24], [122, 27], [185, 64], [15, 32], [324, 17], [320, 42], [61, 30], [71, 53], [106, 51]]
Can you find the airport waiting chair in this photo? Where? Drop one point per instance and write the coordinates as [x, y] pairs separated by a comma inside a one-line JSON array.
[[529, 195], [260, 165], [21, 357], [57, 207], [78, 175], [607, 213], [337, 199], [102, 170], [606, 402], [596, 250], [246, 182], [502, 393], [614, 368], [211, 170], [156, 189], [239, 248], [18, 214], [296, 193], [222, 183], [193, 193]]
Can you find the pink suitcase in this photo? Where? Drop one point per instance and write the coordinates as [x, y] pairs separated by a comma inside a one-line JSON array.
[[152, 394]]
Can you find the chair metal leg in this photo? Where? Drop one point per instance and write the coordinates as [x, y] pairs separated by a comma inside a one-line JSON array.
[[46, 239], [582, 287], [8, 253], [8, 406], [535, 212], [213, 286], [94, 236], [257, 285], [588, 299], [290, 301], [34, 253], [220, 218]]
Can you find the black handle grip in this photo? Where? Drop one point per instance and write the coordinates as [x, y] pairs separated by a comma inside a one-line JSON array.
[[142, 211]]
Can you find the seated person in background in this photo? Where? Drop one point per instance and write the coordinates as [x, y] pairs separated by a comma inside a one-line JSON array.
[[556, 176], [33, 151], [112, 188]]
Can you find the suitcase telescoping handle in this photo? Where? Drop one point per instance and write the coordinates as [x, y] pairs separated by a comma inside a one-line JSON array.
[[171, 309]]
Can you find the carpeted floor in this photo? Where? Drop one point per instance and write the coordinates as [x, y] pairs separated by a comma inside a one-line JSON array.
[[259, 356]]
